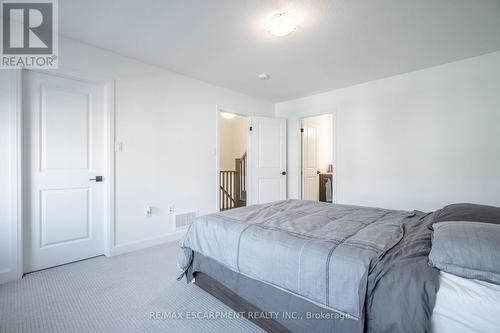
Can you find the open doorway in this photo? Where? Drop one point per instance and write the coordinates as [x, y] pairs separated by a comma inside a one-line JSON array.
[[317, 158], [232, 160]]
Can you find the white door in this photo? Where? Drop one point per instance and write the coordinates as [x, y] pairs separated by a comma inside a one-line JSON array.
[[310, 162], [267, 160], [65, 149]]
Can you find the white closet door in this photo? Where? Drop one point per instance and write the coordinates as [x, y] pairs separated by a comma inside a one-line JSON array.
[[65, 150], [267, 159]]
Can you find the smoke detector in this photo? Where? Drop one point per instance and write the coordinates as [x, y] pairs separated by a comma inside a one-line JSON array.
[[264, 76]]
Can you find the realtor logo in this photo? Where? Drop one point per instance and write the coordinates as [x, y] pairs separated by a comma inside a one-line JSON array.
[[29, 34]]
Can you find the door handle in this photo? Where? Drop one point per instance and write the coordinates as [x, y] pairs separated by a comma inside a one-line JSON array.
[[283, 173], [318, 172], [97, 179]]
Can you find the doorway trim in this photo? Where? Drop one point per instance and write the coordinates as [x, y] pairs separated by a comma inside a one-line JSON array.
[[333, 152], [216, 152], [109, 87], [16, 176]]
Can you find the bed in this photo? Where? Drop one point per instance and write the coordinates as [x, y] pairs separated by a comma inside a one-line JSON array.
[[303, 266], [466, 305]]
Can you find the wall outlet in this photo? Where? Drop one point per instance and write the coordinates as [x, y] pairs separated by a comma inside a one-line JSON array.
[[171, 209], [149, 211]]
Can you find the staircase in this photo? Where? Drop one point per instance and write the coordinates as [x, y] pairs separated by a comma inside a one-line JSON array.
[[233, 192]]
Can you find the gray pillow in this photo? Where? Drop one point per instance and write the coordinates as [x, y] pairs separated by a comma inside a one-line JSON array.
[[467, 249], [468, 212]]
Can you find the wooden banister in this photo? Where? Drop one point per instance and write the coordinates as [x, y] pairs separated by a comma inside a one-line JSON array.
[[233, 185], [227, 194], [242, 179]]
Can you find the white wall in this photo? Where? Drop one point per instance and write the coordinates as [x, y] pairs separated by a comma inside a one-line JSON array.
[[166, 122], [5, 217], [8, 176], [414, 141]]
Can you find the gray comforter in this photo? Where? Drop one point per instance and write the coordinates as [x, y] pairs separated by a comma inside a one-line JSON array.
[[402, 286], [331, 255]]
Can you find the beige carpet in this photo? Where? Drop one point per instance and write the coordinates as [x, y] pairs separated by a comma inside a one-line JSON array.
[[114, 295]]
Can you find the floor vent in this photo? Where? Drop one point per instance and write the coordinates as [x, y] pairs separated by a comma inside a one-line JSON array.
[[183, 220]]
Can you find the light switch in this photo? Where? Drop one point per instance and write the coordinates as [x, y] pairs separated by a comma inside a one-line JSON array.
[[119, 147]]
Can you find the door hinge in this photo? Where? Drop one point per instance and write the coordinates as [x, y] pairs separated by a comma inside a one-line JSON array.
[[251, 128], [301, 130]]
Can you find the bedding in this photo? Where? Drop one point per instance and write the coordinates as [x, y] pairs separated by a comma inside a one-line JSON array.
[[467, 249], [464, 305], [402, 285], [468, 212], [352, 260], [319, 252]]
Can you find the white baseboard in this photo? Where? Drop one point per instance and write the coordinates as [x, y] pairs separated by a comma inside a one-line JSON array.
[[145, 243], [8, 275]]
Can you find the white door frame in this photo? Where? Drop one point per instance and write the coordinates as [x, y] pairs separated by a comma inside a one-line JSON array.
[[109, 224], [334, 153], [16, 167], [218, 110]]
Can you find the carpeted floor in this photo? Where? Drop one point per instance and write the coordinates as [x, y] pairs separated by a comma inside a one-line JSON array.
[[114, 295]]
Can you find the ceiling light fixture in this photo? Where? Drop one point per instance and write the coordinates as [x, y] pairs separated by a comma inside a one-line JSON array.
[[227, 115], [281, 24]]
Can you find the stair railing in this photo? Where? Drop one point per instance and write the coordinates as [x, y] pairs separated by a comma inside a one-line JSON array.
[[240, 165], [227, 190], [233, 185]]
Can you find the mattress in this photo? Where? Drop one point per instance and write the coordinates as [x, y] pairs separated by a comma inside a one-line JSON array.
[[294, 313], [367, 264], [466, 305]]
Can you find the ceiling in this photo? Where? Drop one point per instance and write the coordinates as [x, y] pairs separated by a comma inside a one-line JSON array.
[[339, 42]]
